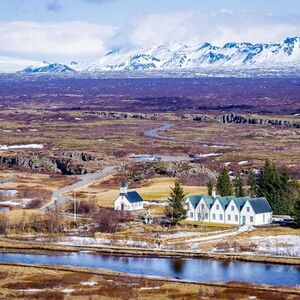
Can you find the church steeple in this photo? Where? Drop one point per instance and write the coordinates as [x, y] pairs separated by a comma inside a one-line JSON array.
[[123, 187]]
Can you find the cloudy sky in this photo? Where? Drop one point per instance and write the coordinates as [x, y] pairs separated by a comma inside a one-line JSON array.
[[84, 30]]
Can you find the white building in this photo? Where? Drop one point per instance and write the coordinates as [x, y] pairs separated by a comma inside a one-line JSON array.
[[229, 210], [128, 201]]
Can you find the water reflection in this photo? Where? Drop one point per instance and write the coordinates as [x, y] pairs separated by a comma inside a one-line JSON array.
[[188, 269], [177, 265]]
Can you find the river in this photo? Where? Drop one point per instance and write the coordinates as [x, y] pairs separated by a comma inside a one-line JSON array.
[[199, 270]]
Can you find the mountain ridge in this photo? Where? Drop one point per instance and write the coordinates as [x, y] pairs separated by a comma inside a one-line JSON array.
[[174, 55]]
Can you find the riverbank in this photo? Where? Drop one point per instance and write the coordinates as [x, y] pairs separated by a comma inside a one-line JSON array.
[[23, 281], [13, 246]]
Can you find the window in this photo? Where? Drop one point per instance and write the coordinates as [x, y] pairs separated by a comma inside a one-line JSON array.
[[221, 217], [232, 208], [199, 217], [214, 216], [236, 218], [202, 206], [217, 207], [248, 209], [251, 219], [206, 216], [229, 217], [191, 214]]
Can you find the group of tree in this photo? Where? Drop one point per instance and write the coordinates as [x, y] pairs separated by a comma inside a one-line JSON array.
[[281, 190]]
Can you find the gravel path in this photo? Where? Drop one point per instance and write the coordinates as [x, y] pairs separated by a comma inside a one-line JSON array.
[[59, 199]]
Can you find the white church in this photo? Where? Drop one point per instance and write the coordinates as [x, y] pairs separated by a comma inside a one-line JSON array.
[[229, 210], [128, 201]]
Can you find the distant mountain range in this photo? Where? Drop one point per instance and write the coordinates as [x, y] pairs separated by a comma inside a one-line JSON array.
[[178, 56]]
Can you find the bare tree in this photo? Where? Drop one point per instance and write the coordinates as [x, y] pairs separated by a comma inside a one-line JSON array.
[[4, 223]]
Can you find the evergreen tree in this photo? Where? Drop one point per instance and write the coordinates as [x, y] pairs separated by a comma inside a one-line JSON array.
[[275, 186], [176, 209], [252, 185], [297, 213], [210, 187], [224, 187], [239, 186]]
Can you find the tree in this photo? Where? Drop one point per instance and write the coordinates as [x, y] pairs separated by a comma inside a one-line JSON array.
[[275, 186], [297, 213], [252, 184], [176, 209], [239, 186], [210, 187], [224, 187]]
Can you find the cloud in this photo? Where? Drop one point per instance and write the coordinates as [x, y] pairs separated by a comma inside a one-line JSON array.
[[218, 27], [63, 41], [60, 40]]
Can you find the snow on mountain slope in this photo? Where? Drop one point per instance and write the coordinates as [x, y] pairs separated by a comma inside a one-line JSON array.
[[46, 67], [174, 56]]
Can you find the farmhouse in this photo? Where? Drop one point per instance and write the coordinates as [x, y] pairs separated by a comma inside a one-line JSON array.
[[128, 201], [229, 210]]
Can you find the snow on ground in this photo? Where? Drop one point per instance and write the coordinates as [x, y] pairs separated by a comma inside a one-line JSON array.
[[160, 203], [89, 283], [28, 146], [22, 202], [210, 154], [68, 291], [243, 162], [180, 234], [94, 242], [287, 245]]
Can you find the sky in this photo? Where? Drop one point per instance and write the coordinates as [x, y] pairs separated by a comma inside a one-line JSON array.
[[84, 30]]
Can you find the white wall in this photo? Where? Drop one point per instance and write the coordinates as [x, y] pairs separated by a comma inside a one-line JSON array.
[[127, 205], [248, 214], [217, 213], [191, 211], [263, 219], [232, 213], [202, 212]]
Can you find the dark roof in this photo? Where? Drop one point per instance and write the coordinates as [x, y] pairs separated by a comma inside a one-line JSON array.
[[260, 205], [225, 201], [195, 199], [239, 202], [133, 197]]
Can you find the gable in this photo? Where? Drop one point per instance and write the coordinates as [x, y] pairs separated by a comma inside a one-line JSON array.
[[194, 200], [217, 202]]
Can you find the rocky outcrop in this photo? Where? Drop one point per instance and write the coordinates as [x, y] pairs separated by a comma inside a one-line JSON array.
[[240, 119], [66, 163]]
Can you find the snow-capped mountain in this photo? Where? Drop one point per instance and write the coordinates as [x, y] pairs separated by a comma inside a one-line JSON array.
[[175, 55], [46, 67]]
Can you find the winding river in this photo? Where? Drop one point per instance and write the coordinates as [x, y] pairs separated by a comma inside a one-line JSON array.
[[198, 270]]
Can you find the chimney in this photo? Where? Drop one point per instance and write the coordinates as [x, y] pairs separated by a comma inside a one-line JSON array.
[[214, 195]]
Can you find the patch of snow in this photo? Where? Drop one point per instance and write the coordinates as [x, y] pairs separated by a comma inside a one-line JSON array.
[[286, 245], [68, 290], [150, 288], [31, 290], [210, 154], [28, 146], [89, 283], [180, 234], [243, 162], [246, 228]]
